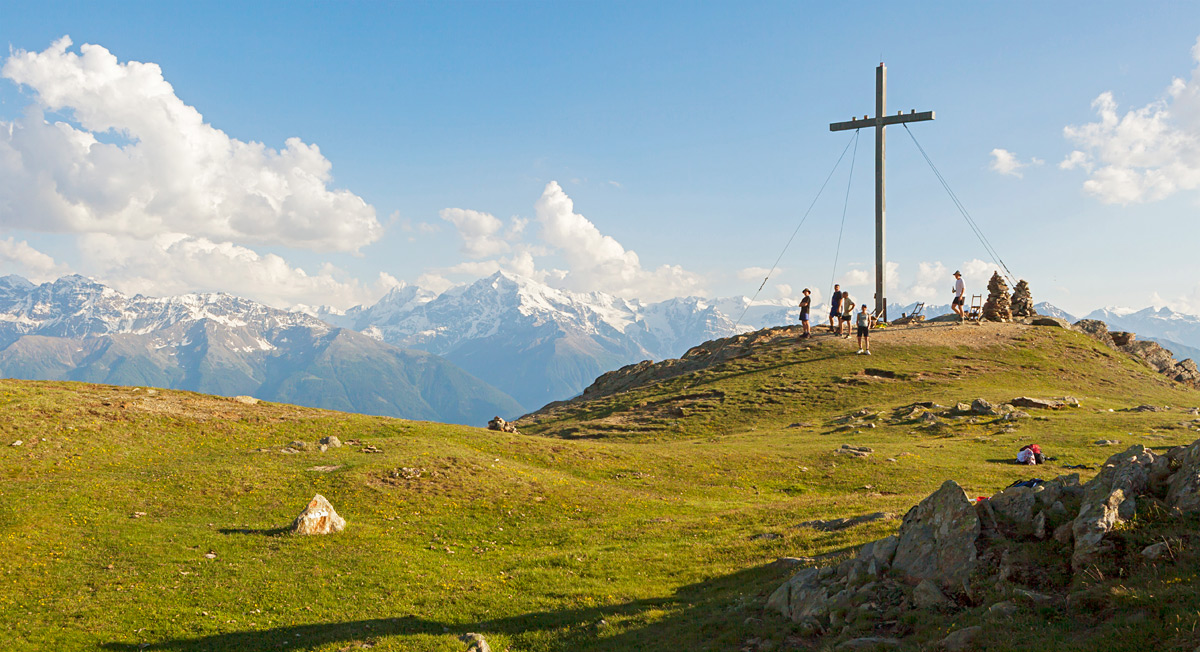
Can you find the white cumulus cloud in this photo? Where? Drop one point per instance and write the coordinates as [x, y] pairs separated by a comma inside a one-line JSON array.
[[21, 258], [1143, 154], [478, 231], [131, 158], [1005, 162], [175, 263], [597, 261]]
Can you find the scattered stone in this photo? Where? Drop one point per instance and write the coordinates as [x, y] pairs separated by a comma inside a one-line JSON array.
[[137, 515], [318, 518], [322, 447], [856, 451], [325, 469], [1106, 442], [962, 408], [17, 443], [248, 400], [1002, 610], [834, 524], [927, 594], [475, 642], [371, 449], [982, 406], [1039, 403], [997, 306], [869, 643], [961, 639], [330, 441], [1016, 414], [1154, 551], [1055, 322], [501, 425], [1146, 408], [1022, 300], [408, 473], [210, 555], [299, 445]]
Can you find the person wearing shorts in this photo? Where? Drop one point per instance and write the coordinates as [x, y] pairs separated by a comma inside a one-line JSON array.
[[847, 315], [835, 307], [805, 304], [864, 331], [959, 292]]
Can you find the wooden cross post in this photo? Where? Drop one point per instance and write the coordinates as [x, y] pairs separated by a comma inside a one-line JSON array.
[[880, 121]]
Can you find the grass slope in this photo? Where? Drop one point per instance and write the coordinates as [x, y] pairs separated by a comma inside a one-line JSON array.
[[647, 520]]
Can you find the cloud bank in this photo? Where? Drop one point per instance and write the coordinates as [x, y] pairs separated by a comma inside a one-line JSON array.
[[1144, 154]]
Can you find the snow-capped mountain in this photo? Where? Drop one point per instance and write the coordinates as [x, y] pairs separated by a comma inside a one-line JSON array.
[[1158, 323], [77, 329], [543, 344], [1051, 310]]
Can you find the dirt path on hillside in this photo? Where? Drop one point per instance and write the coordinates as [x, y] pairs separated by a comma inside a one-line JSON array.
[[972, 334]]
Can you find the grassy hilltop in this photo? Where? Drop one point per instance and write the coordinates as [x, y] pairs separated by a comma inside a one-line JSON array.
[[646, 520]]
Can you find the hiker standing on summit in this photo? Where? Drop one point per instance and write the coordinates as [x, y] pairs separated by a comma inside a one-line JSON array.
[[959, 291], [805, 304], [835, 308]]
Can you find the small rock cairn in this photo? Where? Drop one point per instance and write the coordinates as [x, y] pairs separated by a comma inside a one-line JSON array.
[[1022, 300], [997, 306]]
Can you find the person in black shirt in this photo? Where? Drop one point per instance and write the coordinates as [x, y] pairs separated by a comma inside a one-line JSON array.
[[835, 307], [805, 304]]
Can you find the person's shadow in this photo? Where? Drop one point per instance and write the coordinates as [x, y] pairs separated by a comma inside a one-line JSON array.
[[706, 612]]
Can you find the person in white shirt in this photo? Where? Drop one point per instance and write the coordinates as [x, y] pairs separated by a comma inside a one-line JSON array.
[[959, 292]]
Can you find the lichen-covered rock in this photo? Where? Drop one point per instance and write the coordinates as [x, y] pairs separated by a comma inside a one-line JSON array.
[[1096, 329], [1015, 506], [937, 539], [475, 642], [1108, 498], [318, 518], [803, 597], [1183, 488], [927, 594]]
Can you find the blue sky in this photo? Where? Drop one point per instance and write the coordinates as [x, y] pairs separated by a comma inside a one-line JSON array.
[[694, 134]]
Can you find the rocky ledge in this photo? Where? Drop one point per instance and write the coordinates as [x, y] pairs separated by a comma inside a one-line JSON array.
[[953, 553]]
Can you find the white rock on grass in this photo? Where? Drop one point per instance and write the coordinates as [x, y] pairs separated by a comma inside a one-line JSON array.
[[318, 518]]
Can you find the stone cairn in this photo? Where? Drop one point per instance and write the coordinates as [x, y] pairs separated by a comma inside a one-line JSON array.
[[501, 425], [1022, 301], [952, 552], [997, 306]]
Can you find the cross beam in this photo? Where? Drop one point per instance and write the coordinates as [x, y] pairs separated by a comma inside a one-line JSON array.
[[880, 121]]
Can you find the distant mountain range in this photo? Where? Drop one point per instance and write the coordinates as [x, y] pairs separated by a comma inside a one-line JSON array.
[[542, 344], [77, 329], [503, 345]]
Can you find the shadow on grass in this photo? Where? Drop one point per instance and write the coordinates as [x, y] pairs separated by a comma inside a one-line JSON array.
[[273, 532], [710, 612]]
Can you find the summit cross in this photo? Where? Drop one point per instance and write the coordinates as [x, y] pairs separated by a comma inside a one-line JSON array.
[[880, 121]]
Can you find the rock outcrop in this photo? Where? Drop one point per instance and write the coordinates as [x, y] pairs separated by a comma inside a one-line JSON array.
[[501, 425], [1154, 355], [318, 518], [951, 552], [997, 307], [1022, 301]]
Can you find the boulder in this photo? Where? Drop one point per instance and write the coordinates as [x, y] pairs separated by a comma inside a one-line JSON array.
[[982, 406], [318, 518], [1156, 550], [475, 642], [1015, 506], [1039, 403], [1108, 498], [961, 639], [805, 596], [1183, 488], [927, 594], [937, 539], [299, 445], [330, 441], [501, 425], [1122, 338], [1045, 320]]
